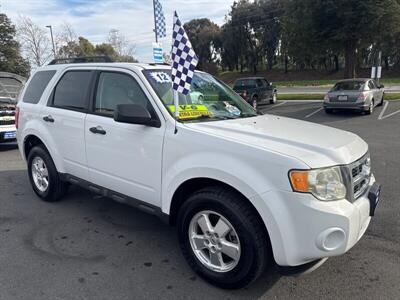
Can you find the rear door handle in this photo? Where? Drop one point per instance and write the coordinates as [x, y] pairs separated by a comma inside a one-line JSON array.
[[48, 118], [98, 130]]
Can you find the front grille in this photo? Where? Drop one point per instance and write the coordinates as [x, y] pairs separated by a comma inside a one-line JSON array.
[[360, 172], [8, 122]]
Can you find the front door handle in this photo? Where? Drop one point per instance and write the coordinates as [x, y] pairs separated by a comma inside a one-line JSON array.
[[98, 130], [48, 118]]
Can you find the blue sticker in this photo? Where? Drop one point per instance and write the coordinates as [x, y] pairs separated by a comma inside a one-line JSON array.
[[161, 77]]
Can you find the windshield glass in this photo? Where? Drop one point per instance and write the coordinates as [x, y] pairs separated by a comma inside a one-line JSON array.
[[349, 86], [209, 99]]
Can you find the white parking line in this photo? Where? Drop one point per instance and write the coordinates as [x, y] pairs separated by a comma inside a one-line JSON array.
[[314, 112], [276, 105], [391, 114], [383, 110]]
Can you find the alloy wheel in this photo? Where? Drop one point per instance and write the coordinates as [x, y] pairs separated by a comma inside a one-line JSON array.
[[214, 241], [40, 174]]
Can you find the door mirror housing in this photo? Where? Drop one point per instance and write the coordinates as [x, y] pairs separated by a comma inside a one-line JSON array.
[[381, 86], [134, 114]]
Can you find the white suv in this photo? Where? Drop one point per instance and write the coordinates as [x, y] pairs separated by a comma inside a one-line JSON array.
[[242, 188]]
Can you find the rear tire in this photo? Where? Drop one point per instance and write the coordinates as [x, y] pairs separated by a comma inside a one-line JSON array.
[[370, 110], [252, 250], [383, 99], [274, 98], [43, 175]]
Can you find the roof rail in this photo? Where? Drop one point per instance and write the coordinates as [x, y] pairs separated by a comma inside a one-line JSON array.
[[159, 64], [78, 60]]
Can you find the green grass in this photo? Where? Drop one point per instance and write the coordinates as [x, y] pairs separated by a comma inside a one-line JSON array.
[[392, 96], [305, 82], [284, 97], [301, 96]]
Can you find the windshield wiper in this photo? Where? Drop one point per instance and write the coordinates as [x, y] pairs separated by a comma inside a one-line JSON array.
[[202, 117]]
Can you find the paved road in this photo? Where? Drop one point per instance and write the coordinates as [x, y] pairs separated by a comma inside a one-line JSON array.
[[89, 247], [324, 89]]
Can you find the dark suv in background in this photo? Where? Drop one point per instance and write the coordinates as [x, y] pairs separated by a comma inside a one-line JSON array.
[[255, 90]]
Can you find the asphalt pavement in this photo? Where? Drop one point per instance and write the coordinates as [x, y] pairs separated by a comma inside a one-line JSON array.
[[89, 247]]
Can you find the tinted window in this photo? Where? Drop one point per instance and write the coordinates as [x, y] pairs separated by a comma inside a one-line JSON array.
[[371, 85], [259, 83], [72, 90], [245, 83], [37, 86], [117, 88]]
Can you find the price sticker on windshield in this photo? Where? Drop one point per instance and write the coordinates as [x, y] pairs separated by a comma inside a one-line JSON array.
[[191, 111], [161, 77]]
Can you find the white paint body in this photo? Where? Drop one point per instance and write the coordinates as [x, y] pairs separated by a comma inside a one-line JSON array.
[[253, 155]]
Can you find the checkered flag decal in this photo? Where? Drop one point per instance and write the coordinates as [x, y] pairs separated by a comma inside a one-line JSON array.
[[161, 29], [184, 59]]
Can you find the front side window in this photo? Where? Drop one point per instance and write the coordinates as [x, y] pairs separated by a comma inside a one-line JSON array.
[[117, 88], [72, 91], [209, 99], [37, 85], [259, 83]]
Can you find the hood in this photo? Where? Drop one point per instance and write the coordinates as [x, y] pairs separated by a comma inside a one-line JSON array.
[[315, 145]]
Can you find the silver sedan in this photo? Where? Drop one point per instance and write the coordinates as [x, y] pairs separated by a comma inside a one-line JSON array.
[[355, 94]]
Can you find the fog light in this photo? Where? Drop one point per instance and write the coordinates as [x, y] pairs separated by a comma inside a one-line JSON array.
[[331, 239]]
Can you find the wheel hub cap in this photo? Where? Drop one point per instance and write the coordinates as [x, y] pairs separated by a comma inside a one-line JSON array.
[[214, 241], [40, 174]]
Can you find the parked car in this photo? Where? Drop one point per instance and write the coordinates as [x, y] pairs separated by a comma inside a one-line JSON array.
[[255, 90], [355, 94], [243, 189], [10, 85], [7, 120]]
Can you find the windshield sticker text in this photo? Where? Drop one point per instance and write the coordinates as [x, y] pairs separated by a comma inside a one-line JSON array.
[[161, 77]]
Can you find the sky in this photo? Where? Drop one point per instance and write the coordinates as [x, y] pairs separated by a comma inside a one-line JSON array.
[[94, 19]]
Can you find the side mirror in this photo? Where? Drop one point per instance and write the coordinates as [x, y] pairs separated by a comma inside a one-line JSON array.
[[134, 114], [381, 86], [270, 83]]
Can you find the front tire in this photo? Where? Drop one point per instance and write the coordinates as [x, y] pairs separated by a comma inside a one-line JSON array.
[[222, 239], [43, 175], [328, 110], [254, 102]]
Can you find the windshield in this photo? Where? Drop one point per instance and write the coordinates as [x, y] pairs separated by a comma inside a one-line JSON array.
[[209, 99], [349, 86]]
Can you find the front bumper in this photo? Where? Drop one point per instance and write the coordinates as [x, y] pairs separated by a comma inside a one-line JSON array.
[[305, 229], [8, 134]]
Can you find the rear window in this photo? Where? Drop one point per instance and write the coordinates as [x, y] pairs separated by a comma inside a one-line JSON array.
[[349, 86], [72, 90], [37, 86], [245, 83]]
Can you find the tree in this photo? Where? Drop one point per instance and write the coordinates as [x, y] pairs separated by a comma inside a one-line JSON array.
[[344, 26], [34, 41], [10, 56], [205, 38]]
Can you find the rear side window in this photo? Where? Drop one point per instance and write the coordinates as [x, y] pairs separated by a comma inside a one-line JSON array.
[[245, 83], [37, 86], [72, 90]]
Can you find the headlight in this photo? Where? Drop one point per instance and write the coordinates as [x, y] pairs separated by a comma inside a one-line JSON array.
[[326, 98], [325, 184]]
